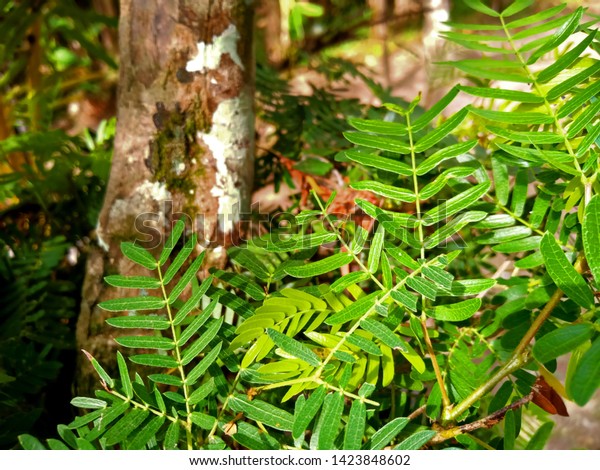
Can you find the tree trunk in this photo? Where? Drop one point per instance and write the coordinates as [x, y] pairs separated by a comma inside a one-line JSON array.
[[183, 147]]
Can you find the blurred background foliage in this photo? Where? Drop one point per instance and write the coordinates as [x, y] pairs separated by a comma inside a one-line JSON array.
[[318, 63]]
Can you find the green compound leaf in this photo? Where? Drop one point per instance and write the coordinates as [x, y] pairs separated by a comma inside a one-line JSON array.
[[387, 433], [320, 267], [88, 403], [384, 334], [354, 310], [190, 274], [458, 311], [263, 412], [388, 144], [591, 235], [416, 441], [561, 341], [138, 255], [181, 257], [356, 426], [563, 273], [293, 347], [586, 379], [124, 375], [125, 426], [178, 229], [378, 127], [456, 204], [133, 303], [133, 282], [446, 153], [148, 322], [385, 190], [331, 416], [308, 411], [381, 163], [497, 93], [146, 342]]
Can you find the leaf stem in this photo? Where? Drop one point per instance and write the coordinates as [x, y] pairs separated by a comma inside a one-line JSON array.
[[188, 408]]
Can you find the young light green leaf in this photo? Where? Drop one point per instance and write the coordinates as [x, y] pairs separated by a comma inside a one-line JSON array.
[[181, 257], [320, 267], [145, 342], [178, 229], [133, 303], [133, 282], [591, 236], [148, 322], [308, 411], [385, 190], [416, 441], [586, 378], [458, 311], [456, 204], [384, 334], [138, 255], [293, 347], [356, 426], [381, 163], [263, 412], [387, 433], [529, 137], [331, 416], [561, 341], [445, 153], [563, 273]]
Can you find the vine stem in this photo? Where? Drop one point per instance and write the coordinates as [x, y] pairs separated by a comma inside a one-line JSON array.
[[188, 409], [518, 359]]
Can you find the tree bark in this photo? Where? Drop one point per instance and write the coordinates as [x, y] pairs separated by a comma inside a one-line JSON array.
[[183, 146]]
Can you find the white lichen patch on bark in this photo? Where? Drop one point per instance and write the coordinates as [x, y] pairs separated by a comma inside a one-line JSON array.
[[229, 141], [209, 55]]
